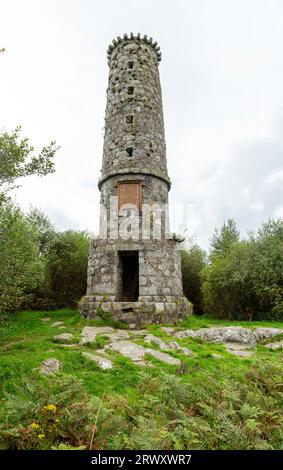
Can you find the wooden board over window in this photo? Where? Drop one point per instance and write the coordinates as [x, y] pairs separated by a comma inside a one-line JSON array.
[[129, 192]]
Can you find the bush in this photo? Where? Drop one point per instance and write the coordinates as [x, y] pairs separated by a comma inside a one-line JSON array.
[[21, 268], [245, 281]]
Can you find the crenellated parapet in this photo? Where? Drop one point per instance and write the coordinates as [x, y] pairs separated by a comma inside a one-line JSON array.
[[136, 38]]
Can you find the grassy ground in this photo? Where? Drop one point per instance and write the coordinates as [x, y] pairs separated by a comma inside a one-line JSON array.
[[206, 403]]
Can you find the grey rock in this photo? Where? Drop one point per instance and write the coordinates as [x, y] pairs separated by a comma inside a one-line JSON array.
[[45, 319], [128, 349], [50, 366], [136, 353], [161, 356], [187, 351], [57, 323], [63, 337], [117, 335], [101, 361], [185, 334], [168, 329], [241, 350], [89, 333], [158, 341], [275, 346], [230, 334], [264, 333], [139, 332]]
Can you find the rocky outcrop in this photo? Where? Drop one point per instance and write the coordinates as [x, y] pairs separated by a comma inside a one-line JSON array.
[[230, 334]]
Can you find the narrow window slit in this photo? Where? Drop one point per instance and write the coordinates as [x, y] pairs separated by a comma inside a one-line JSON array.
[[129, 119], [129, 151], [130, 90]]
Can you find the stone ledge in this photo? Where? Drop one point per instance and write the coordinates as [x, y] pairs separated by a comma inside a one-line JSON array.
[[140, 313], [135, 171]]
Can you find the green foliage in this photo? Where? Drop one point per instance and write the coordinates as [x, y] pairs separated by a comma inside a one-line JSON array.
[[21, 269], [66, 268], [18, 160], [245, 281], [99, 343], [43, 413], [40, 267], [192, 263], [223, 239], [207, 403]]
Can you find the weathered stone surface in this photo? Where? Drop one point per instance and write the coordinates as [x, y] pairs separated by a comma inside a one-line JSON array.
[[230, 334], [46, 319], [161, 356], [134, 168], [155, 340], [264, 332], [227, 334], [57, 323], [89, 333], [186, 351], [276, 345], [168, 329], [167, 346], [185, 333], [63, 337], [101, 361], [133, 351], [239, 349], [138, 332], [136, 353], [118, 335], [50, 366]]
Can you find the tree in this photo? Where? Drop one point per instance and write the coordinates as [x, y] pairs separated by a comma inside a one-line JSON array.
[[223, 239], [67, 268], [245, 282], [44, 231], [20, 266], [17, 159], [193, 261]]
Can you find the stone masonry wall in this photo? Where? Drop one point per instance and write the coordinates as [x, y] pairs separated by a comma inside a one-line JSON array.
[[134, 115]]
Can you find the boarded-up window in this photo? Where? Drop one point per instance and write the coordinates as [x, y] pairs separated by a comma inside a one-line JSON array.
[[129, 192]]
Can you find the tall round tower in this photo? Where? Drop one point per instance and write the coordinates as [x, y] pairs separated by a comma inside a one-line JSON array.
[[134, 265]]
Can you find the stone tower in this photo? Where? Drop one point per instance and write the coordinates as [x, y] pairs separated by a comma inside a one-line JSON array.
[[134, 265]]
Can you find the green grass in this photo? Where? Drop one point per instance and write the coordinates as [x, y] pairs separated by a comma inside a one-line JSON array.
[[209, 403]]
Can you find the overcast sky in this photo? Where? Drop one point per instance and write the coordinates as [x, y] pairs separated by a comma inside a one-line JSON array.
[[222, 84]]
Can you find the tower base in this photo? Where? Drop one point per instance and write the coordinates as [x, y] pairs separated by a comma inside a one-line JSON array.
[[138, 282], [138, 313]]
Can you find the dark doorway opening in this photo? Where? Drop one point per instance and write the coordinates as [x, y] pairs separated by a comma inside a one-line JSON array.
[[128, 276]]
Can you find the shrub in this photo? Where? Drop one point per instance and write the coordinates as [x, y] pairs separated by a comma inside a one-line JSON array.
[[46, 412]]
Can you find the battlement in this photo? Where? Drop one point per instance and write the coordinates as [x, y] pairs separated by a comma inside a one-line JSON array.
[[133, 38]]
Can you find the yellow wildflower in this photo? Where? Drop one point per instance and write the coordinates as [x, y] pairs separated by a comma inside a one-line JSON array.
[[52, 408], [34, 426], [41, 436]]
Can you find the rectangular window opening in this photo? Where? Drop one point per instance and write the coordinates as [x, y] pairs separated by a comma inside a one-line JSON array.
[[131, 64], [130, 90]]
